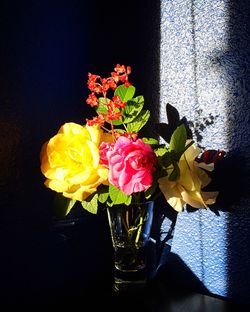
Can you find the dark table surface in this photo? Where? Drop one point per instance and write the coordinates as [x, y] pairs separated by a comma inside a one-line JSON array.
[[158, 298], [153, 298], [56, 271]]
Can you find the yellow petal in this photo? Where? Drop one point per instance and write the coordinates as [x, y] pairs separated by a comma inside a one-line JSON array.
[[103, 173], [171, 193], [188, 187], [80, 194], [191, 153], [188, 177], [177, 203], [194, 199], [209, 197], [55, 185], [71, 129], [203, 177], [95, 133], [208, 167], [70, 161], [106, 137], [95, 156]]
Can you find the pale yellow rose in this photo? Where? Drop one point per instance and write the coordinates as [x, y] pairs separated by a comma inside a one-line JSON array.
[[188, 187], [70, 161]]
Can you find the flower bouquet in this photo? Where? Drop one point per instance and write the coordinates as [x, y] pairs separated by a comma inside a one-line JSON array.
[[106, 162]]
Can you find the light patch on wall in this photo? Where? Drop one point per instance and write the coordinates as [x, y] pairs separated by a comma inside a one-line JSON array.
[[192, 78]]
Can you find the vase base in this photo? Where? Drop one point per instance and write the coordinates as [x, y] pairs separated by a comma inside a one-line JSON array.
[[123, 286]]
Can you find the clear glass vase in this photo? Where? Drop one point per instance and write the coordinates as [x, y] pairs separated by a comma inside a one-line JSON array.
[[130, 228]]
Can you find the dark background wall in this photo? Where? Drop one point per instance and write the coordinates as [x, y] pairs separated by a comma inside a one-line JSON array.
[[47, 49]]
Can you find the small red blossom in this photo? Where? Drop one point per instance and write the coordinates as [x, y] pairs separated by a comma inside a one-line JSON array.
[[99, 87], [121, 74], [132, 136], [112, 84], [105, 82], [117, 134], [97, 120], [98, 84], [92, 100], [120, 69], [113, 115], [212, 156], [117, 102], [93, 85], [129, 135]]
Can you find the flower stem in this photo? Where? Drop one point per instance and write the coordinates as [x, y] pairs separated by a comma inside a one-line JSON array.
[[139, 231]]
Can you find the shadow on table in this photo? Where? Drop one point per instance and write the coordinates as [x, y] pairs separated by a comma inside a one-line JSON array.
[[176, 275]]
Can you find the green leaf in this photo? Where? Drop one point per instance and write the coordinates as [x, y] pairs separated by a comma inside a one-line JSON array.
[[165, 130], [178, 139], [150, 141], [117, 196], [128, 201], [160, 151], [103, 193], [109, 202], [62, 205], [177, 156], [150, 191], [91, 204], [166, 159], [175, 173], [122, 131], [139, 121], [102, 108], [125, 93], [188, 145], [132, 109], [172, 116]]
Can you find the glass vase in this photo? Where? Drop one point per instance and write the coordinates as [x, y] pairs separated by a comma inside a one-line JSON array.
[[130, 228]]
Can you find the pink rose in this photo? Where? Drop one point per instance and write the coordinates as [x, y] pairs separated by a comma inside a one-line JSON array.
[[103, 149], [131, 165]]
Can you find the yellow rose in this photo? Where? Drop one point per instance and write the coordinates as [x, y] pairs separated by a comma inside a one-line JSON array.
[[70, 161], [188, 187]]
